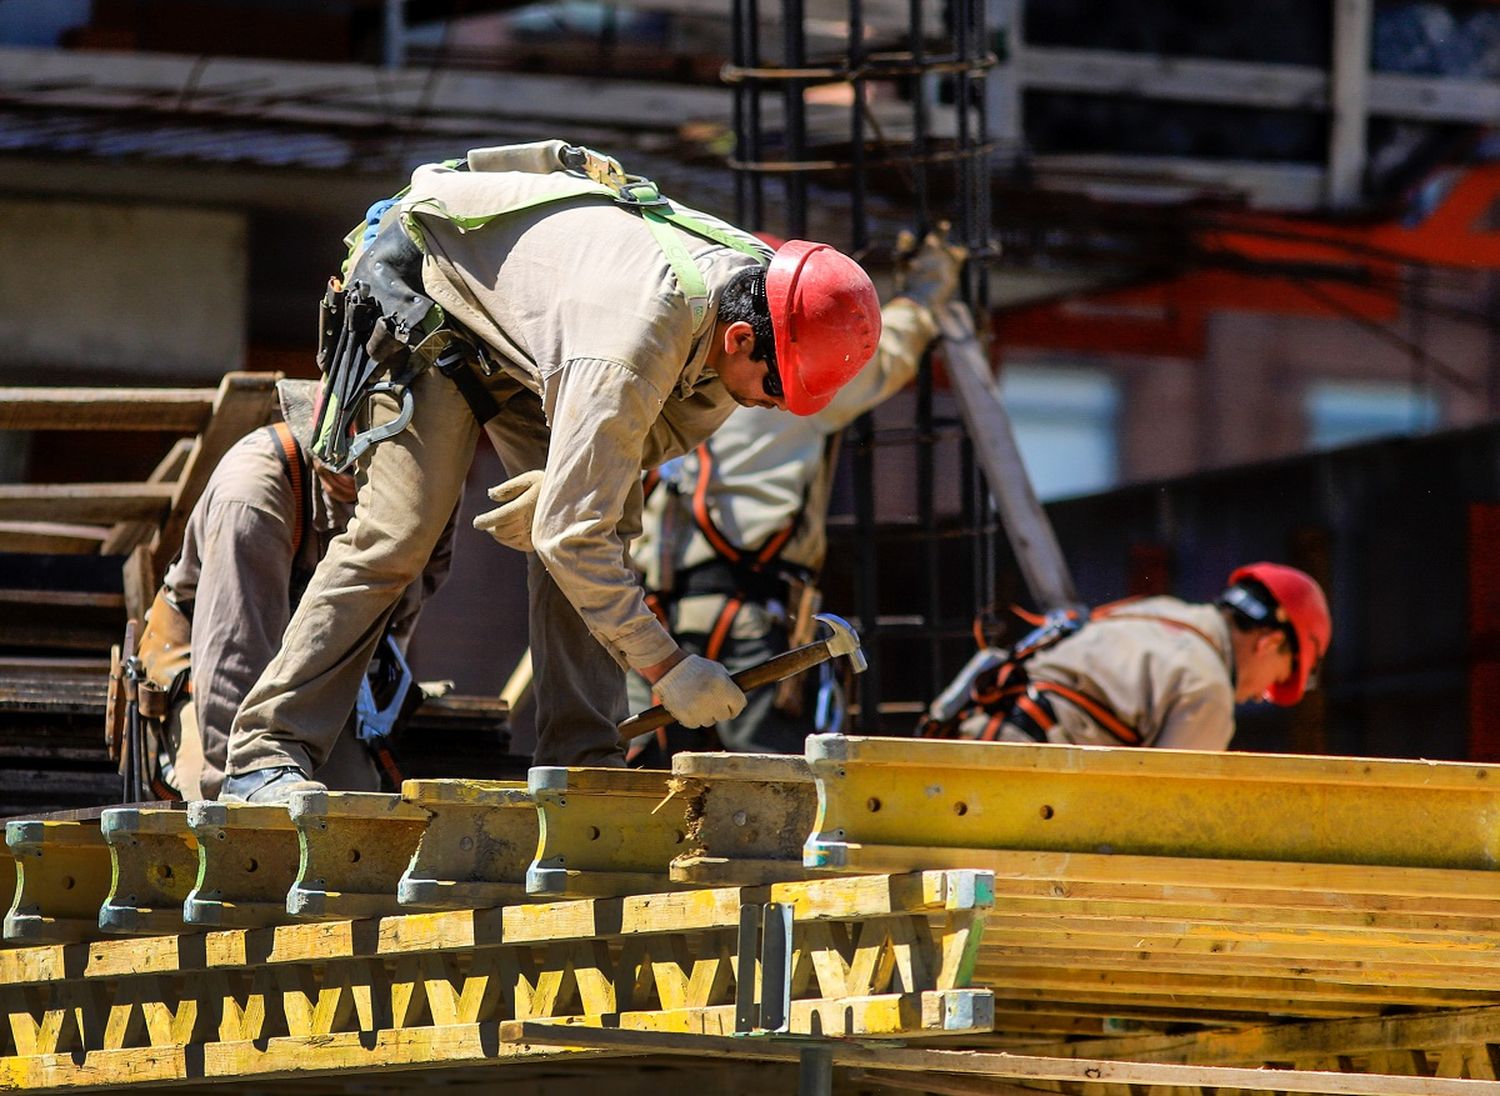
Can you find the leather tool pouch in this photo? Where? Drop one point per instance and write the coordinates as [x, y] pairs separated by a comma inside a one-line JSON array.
[[166, 656]]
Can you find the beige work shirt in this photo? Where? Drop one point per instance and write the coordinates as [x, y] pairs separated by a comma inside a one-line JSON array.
[[1172, 686], [766, 464], [579, 305]]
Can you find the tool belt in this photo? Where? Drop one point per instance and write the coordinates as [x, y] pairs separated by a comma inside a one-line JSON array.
[[375, 337], [148, 679]]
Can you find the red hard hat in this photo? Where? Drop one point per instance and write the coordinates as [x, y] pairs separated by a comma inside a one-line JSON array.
[[826, 318], [1303, 606]]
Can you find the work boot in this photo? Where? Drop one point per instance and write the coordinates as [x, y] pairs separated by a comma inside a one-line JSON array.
[[268, 786]]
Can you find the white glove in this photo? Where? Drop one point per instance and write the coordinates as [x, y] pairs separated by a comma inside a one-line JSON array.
[[928, 274], [699, 692], [510, 523]]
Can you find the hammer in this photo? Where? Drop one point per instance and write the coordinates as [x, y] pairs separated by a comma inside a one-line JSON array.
[[842, 640]]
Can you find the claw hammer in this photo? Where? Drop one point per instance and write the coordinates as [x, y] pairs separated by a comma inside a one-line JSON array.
[[841, 640]]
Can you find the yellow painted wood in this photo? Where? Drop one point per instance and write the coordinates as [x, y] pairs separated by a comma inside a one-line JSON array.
[[63, 874], [247, 860], [353, 848], [480, 837], [748, 816], [1166, 803], [604, 832], [154, 864]]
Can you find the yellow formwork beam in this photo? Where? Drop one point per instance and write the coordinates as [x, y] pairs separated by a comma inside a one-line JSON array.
[[353, 848], [154, 857], [604, 831], [247, 860], [748, 816], [480, 837], [878, 796], [62, 877]]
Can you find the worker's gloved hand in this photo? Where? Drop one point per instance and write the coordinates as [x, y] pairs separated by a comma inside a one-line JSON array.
[[928, 274], [699, 692], [510, 522]]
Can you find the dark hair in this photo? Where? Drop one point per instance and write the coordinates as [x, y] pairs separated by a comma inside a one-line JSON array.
[[1252, 606], [744, 301]]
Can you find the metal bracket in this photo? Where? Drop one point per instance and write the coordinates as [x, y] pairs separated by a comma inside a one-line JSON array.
[[764, 1004]]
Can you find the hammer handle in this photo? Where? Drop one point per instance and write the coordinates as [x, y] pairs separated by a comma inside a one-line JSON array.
[[772, 669]]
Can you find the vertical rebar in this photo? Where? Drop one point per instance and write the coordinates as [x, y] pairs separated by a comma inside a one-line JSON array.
[[755, 145], [794, 55]]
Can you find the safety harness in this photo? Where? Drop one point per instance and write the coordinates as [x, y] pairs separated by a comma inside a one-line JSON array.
[[995, 683], [381, 330], [737, 573]]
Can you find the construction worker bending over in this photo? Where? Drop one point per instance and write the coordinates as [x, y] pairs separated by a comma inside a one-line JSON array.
[[595, 329], [252, 542], [1150, 672], [736, 531]]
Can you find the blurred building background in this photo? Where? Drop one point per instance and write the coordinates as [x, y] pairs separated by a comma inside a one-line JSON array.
[[1232, 238]]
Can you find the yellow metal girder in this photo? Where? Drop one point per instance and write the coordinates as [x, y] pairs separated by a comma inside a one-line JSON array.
[[352, 850], [480, 837], [748, 816], [63, 875], [936, 794], [247, 860], [154, 857]]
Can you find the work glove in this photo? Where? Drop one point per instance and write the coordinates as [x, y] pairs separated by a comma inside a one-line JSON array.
[[510, 522], [928, 274], [699, 692]]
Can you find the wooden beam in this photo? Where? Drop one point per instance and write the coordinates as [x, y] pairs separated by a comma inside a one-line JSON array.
[[530, 1034], [165, 409], [126, 535], [50, 537], [1349, 93], [244, 402], [93, 503], [988, 425]]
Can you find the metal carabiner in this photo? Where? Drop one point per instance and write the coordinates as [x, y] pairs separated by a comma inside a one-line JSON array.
[[365, 439]]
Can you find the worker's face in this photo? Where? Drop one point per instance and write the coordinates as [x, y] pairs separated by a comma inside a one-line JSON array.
[[744, 378], [1268, 661]]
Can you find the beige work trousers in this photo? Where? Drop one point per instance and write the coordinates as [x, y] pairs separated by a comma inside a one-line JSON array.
[[408, 487]]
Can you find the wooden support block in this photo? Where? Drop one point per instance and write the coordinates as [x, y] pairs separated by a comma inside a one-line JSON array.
[[63, 876], [748, 816], [480, 837], [354, 848], [605, 832], [155, 862], [877, 796], [247, 862]]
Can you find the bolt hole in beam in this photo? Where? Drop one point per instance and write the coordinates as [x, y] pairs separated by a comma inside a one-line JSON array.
[[354, 856], [1046, 812], [251, 864], [873, 803], [960, 808]]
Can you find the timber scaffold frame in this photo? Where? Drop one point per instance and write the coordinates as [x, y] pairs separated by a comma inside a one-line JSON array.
[[1054, 917]]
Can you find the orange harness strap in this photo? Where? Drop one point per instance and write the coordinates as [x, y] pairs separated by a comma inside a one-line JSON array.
[[291, 462]]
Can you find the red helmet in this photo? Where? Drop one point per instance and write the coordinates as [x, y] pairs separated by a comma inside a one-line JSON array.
[[1301, 604], [826, 318]]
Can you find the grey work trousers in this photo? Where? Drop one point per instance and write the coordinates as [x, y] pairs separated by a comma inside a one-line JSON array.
[[408, 487]]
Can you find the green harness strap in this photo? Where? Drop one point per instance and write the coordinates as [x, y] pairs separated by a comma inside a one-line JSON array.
[[634, 193]]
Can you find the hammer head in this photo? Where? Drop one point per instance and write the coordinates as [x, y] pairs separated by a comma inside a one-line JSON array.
[[843, 640]]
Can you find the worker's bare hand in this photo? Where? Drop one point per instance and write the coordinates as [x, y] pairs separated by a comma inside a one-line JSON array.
[[929, 274], [699, 692]]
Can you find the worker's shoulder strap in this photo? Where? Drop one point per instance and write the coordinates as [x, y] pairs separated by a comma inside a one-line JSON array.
[[753, 560], [595, 176], [294, 466], [1166, 622]]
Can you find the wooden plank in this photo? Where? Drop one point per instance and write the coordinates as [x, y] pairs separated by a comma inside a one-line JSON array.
[[244, 402], [125, 536], [92, 503], [183, 410], [51, 538], [1286, 1042], [1349, 85], [988, 425], [1012, 1066]]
